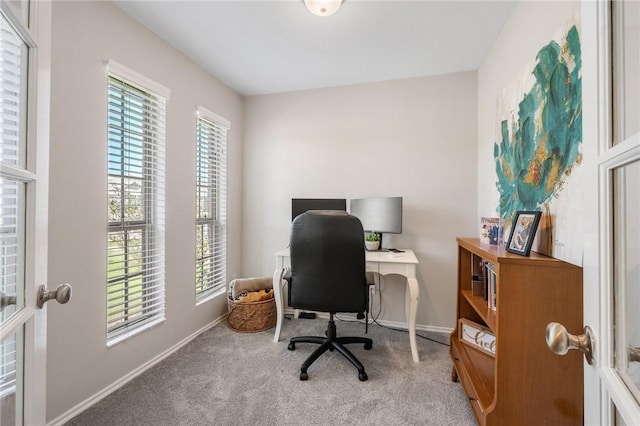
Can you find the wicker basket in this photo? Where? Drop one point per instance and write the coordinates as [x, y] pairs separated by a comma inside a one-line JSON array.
[[251, 317]]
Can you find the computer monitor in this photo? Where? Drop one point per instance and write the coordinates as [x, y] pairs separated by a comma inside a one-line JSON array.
[[379, 215], [301, 205]]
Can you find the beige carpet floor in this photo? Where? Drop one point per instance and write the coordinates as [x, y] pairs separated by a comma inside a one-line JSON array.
[[228, 378]]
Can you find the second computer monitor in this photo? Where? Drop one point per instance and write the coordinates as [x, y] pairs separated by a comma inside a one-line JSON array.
[[380, 214]]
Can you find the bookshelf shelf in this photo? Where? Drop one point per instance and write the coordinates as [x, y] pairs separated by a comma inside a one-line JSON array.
[[524, 382], [481, 306]]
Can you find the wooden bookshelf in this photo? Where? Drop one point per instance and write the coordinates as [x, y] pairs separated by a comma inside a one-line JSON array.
[[524, 382]]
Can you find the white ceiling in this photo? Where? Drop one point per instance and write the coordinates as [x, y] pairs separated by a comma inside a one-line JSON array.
[[269, 46]]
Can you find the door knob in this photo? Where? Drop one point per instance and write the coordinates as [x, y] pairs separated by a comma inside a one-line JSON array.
[[560, 341], [6, 300], [62, 294]]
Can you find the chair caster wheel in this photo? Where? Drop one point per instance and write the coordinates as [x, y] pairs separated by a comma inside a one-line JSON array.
[[362, 376], [368, 346], [305, 376], [291, 346]]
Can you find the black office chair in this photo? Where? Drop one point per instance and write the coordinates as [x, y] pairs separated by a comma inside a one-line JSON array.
[[328, 275]]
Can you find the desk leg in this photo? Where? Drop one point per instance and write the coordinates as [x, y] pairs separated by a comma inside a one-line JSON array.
[[414, 291], [277, 294]]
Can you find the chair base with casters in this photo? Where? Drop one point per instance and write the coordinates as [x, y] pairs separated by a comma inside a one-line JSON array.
[[330, 343]]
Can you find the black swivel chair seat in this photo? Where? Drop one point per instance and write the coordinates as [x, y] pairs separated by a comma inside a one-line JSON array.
[[328, 275]]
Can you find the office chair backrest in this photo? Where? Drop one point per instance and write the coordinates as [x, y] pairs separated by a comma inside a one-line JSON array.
[[327, 263]]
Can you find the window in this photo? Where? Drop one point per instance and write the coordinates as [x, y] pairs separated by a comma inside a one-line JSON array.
[[135, 254], [14, 53], [211, 203]]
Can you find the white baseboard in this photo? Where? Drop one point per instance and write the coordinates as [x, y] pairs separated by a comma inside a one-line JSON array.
[[391, 324], [65, 417]]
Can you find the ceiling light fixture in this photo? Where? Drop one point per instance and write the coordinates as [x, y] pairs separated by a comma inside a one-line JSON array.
[[323, 7]]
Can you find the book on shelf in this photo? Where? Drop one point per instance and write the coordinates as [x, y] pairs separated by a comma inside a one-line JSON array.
[[477, 286], [491, 284], [477, 276]]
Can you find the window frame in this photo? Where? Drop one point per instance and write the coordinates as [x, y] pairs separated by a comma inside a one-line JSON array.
[[147, 305], [211, 283], [18, 47]]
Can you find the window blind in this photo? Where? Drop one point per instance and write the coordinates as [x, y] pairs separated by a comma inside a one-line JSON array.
[[8, 358], [13, 107], [136, 217], [211, 207], [12, 93]]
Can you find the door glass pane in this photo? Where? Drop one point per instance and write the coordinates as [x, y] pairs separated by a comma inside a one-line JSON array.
[[12, 220], [626, 69], [20, 9], [626, 257], [11, 374], [13, 74]]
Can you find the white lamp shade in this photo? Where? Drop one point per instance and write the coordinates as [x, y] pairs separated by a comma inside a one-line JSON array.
[[323, 7]]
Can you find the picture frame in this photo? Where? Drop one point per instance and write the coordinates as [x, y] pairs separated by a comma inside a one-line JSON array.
[[523, 231], [491, 229]]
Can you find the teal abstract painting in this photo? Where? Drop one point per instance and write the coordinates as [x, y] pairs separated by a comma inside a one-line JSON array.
[[539, 140]]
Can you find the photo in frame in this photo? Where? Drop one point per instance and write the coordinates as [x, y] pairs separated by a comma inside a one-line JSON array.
[[523, 231], [491, 229]]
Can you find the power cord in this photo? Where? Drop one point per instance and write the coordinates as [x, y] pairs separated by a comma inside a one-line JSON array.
[[374, 318], [374, 321]]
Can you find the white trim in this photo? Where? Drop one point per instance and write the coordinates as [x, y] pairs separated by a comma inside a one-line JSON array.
[[604, 391], [621, 153], [113, 67], [16, 320], [16, 173], [385, 323], [149, 171], [134, 331], [74, 411], [595, 90], [205, 113], [213, 295], [17, 24], [211, 176]]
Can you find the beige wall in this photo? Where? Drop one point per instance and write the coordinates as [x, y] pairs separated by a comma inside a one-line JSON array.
[[414, 138], [85, 34]]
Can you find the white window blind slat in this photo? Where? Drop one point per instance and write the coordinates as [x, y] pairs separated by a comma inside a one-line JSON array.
[[147, 304], [211, 195], [135, 166]]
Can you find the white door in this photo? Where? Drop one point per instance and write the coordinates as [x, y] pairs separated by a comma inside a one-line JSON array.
[[611, 114], [24, 150]]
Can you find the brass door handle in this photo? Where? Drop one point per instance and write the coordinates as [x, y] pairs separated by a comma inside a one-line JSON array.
[[6, 300], [560, 341], [62, 294]]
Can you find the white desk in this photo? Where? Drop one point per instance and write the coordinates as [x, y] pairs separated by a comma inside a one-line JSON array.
[[384, 263]]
